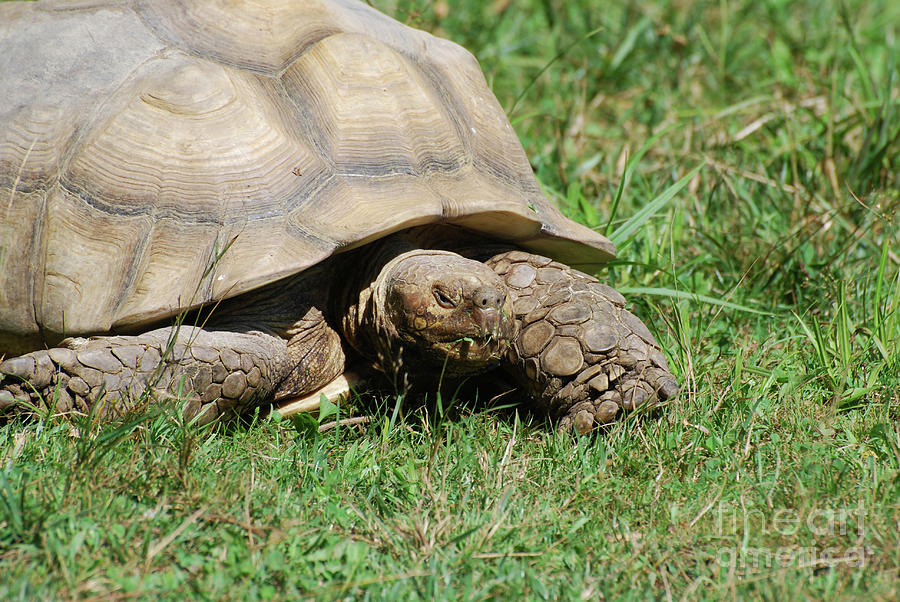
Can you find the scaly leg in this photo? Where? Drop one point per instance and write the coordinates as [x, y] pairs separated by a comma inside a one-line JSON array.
[[581, 355], [218, 371]]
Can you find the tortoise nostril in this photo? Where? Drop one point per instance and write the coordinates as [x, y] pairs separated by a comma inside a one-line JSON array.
[[489, 298]]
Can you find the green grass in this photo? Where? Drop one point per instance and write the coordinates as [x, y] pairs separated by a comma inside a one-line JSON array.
[[771, 276]]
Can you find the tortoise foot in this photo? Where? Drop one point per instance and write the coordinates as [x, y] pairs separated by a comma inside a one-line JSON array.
[[581, 355]]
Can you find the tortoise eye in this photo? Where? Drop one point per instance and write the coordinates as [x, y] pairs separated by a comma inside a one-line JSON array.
[[444, 299]]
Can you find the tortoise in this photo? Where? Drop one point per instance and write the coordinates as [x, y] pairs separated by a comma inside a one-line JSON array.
[[315, 186]]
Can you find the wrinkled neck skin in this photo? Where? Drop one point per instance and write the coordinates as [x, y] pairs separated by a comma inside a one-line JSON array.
[[361, 302], [389, 332]]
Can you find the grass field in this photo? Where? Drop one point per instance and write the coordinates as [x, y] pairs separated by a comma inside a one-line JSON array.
[[771, 278]]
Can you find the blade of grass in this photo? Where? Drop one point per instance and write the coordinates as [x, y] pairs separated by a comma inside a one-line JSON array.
[[549, 63], [676, 294], [630, 166], [623, 232]]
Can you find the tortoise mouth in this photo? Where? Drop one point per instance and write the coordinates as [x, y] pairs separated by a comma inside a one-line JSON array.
[[470, 353], [475, 346], [467, 355]]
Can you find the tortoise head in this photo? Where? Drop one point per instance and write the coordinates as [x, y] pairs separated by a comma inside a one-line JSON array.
[[446, 310]]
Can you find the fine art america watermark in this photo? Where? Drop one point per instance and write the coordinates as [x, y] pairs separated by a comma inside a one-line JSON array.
[[818, 537]]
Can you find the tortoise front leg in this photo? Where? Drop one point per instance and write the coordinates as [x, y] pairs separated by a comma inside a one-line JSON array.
[[218, 371], [581, 355]]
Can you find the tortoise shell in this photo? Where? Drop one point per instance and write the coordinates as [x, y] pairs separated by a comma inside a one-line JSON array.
[[159, 155]]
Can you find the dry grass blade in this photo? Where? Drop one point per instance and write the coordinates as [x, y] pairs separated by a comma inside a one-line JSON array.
[[163, 543]]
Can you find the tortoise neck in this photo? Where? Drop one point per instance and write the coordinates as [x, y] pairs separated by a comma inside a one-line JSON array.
[[355, 299]]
